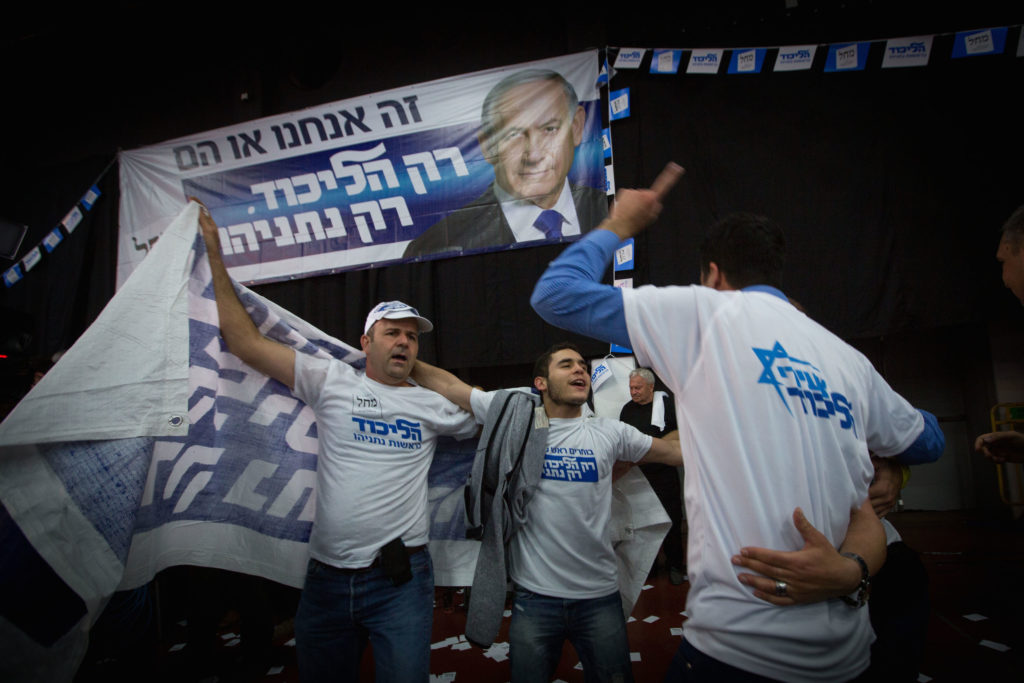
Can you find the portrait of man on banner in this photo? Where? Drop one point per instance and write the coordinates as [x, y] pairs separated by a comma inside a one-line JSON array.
[[531, 125]]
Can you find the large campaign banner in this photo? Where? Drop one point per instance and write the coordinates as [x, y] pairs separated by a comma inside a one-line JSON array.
[[444, 168]]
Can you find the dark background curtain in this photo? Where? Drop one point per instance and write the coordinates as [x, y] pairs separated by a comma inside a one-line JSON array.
[[891, 185]]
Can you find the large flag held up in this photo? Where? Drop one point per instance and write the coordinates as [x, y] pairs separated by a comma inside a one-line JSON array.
[[148, 445]]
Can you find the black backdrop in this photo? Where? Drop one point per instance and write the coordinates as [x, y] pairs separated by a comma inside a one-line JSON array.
[[891, 186]]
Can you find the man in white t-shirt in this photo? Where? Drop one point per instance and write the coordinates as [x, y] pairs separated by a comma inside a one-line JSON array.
[[369, 577], [774, 413], [561, 560]]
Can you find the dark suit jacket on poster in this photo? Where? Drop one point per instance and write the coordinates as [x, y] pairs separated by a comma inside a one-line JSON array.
[[481, 224]]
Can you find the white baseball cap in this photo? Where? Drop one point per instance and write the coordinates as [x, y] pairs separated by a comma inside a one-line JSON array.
[[395, 310]]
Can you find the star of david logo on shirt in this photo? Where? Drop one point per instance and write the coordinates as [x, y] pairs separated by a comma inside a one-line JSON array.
[[768, 358]]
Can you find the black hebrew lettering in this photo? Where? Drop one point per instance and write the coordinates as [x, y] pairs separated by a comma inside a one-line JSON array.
[[183, 164], [304, 127], [293, 133], [335, 128], [213, 149], [251, 142], [386, 116], [413, 109], [357, 120]]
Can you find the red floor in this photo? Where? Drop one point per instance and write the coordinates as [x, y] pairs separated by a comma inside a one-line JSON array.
[[976, 632]]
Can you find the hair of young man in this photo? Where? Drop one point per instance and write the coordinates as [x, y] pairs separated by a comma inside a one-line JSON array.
[[490, 119], [644, 374], [543, 364], [748, 249], [1013, 229]]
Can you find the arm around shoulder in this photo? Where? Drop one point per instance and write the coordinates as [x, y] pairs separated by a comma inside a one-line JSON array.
[[665, 451], [443, 382]]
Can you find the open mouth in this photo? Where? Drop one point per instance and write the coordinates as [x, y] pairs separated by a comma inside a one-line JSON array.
[[578, 383]]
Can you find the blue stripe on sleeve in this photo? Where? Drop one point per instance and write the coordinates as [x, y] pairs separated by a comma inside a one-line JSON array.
[[570, 295], [928, 446]]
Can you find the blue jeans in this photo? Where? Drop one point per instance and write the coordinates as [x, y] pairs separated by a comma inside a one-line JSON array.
[[340, 610], [595, 627]]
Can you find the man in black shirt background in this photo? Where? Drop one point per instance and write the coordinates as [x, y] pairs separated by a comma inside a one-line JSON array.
[[654, 413]]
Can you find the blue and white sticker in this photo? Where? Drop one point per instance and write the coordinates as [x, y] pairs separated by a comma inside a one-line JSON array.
[[990, 41], [747, 61], [901, 52], [795, 57], [847, 57], [630, 57], [705, 61], [618, 103], [578, 465], [666, 61]]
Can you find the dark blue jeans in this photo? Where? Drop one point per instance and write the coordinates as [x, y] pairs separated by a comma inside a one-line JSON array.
[[340, 610], [690, 665], [595, 627]]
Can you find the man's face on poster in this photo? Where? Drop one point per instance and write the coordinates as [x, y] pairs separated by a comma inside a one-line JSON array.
[[533, 144]]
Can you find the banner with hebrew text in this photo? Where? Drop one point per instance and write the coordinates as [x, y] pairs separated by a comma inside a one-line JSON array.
[[351, 184], [149, 445]]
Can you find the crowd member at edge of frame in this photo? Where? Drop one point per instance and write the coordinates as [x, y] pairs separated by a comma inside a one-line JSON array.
[[1008, 446]]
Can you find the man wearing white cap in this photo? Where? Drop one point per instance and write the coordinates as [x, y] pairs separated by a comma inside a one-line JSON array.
[[370, 576]]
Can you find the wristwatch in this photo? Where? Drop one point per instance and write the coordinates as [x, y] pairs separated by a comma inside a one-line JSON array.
[[859, 597]]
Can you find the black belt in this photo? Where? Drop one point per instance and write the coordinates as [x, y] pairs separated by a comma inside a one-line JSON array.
[[373, 565]]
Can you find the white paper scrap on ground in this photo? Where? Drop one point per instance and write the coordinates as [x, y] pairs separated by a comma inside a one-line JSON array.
[[507, 613], [634, 656], [446, 677], [647, 586], [921, 678], [274, 670], [497, 651], [290, 643], [676, 631], [444, 643], [176, 647], [651, 619], [630, 620], [974, 616], [998, 647], [462, 646]]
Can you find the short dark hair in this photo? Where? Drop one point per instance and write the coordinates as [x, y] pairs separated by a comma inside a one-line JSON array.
[[748, 249], [540, 368], [488, 115], [1013, 228]]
